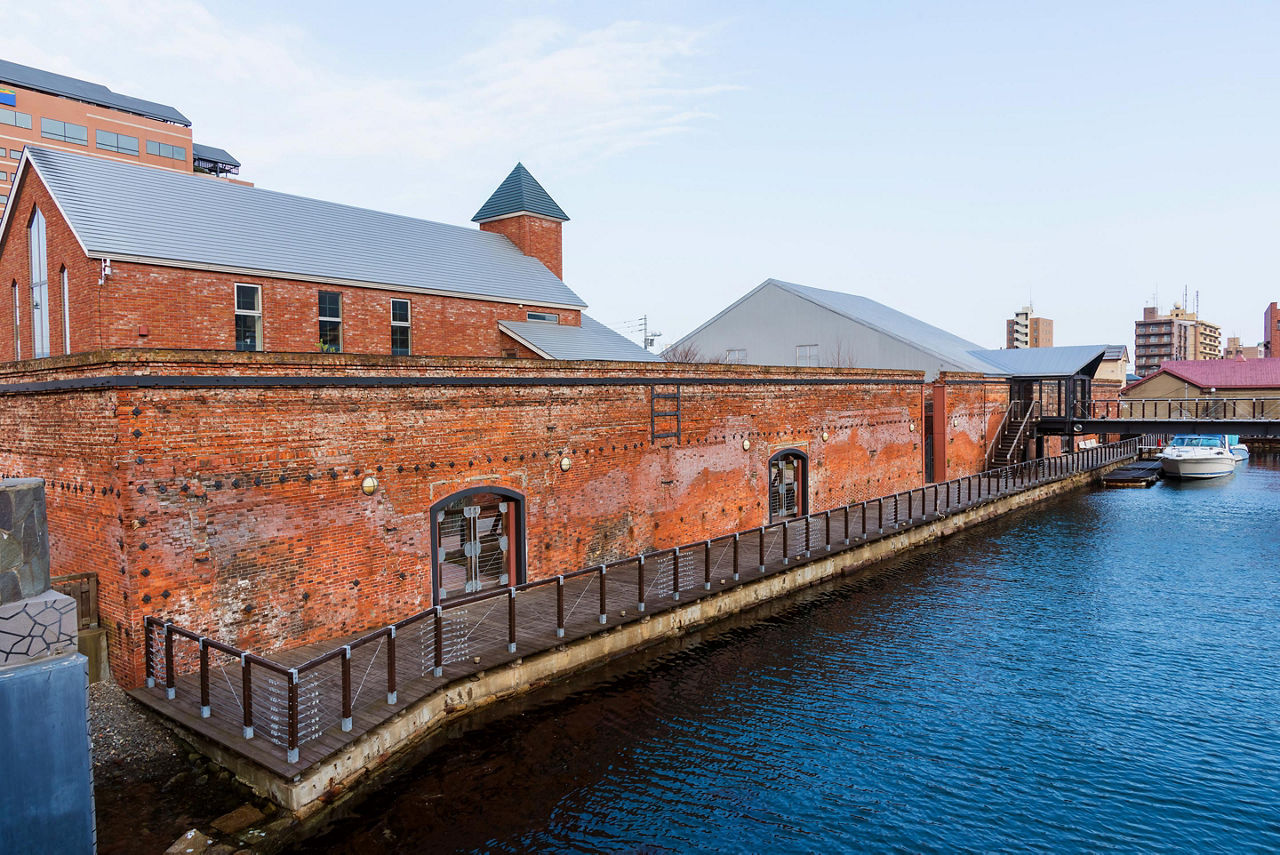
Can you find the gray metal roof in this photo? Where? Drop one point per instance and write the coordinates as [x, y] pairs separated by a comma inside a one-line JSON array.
[[122, 210], [949, 347], [592, 340], [217, 155], [1043, 361], [83, 90], [519, 192]]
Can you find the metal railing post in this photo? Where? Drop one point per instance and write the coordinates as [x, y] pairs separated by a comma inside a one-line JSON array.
[[808, 534], [706, 565], [736, 555], [761, 549], [785, 547], [346, 688], [846, 525]]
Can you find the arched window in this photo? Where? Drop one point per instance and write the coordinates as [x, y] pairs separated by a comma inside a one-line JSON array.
[[39, 286], [788, 484], [478, 539]]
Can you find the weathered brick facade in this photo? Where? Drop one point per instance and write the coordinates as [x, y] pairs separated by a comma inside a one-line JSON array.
[[236, 508], [535, 236]]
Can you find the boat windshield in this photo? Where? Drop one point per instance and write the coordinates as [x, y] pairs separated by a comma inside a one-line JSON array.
[[1198, 442]]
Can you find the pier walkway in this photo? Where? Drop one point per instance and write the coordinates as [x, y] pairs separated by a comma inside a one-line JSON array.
[[289, 712]]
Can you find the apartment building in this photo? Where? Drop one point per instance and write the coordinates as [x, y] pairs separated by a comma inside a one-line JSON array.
[[1179, 335], [1234, 349], [66, 114], [1026, 330], [1271, 331]]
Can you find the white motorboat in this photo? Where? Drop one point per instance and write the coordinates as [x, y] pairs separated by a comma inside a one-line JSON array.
[[1239, 450], [1198, 456]]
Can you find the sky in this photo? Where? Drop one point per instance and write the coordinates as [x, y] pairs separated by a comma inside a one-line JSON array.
[[954, 160]]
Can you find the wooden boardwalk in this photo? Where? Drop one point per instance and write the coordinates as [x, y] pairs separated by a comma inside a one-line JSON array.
[[472, 635]]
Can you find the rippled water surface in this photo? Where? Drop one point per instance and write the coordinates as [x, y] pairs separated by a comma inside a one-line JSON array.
[[1101, 672]]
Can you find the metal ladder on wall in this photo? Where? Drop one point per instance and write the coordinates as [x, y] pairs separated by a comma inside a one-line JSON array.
[[664, 412]]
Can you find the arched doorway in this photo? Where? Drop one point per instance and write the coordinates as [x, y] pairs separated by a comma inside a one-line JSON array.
[[788, 484], [477, 537]]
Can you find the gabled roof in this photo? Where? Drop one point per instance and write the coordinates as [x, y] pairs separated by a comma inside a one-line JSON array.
[[217, 155], [592, 340], [129, 212], [1221, 373], [519, 193], [1116, 352], [955, 353], [947, 346], [1045, 361], [83, 90]]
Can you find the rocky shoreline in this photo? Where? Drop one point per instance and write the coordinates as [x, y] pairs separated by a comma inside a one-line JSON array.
[[153, 793]]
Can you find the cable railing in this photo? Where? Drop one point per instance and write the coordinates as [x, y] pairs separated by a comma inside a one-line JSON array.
[[292, 706]]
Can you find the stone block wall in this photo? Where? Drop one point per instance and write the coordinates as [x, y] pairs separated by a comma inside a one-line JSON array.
[[24, 543]]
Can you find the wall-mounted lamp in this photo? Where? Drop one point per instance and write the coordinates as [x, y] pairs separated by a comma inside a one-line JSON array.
[[825, 436], [913, 427], [565, 463], [746, 445], [369, 485]]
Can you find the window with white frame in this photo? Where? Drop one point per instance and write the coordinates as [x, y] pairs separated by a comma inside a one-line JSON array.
[[39, 286], [248, 317], [400, 328], [331, 322], [735, 355], [807, 355]]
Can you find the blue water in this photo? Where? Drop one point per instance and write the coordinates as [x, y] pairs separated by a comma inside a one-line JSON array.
[[1098, 673]]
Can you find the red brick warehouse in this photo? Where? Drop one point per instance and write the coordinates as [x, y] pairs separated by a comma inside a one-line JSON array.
[[223, 489]]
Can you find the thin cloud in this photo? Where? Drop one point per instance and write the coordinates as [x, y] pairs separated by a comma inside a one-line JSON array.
[[292, 109]]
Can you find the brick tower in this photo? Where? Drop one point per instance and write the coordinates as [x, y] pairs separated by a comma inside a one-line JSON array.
[[528, 216]]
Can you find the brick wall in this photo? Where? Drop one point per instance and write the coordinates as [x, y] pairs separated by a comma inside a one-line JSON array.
[[534, 236], [975, 407], [221, 506], [143, 305]]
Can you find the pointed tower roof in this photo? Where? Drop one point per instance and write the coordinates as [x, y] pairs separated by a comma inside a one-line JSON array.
[[520, 193]]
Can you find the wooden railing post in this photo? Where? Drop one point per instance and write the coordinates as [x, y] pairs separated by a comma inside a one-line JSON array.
[[246, 691], [205, 709], [604, 606], [291, 755], [846, 525], [391, 665], [808, 535], [511, 620], [148, 655], [640, 583], [438, 670], [827, 524], [169, 690], [675, 573], [560, 607], [346, 688]]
